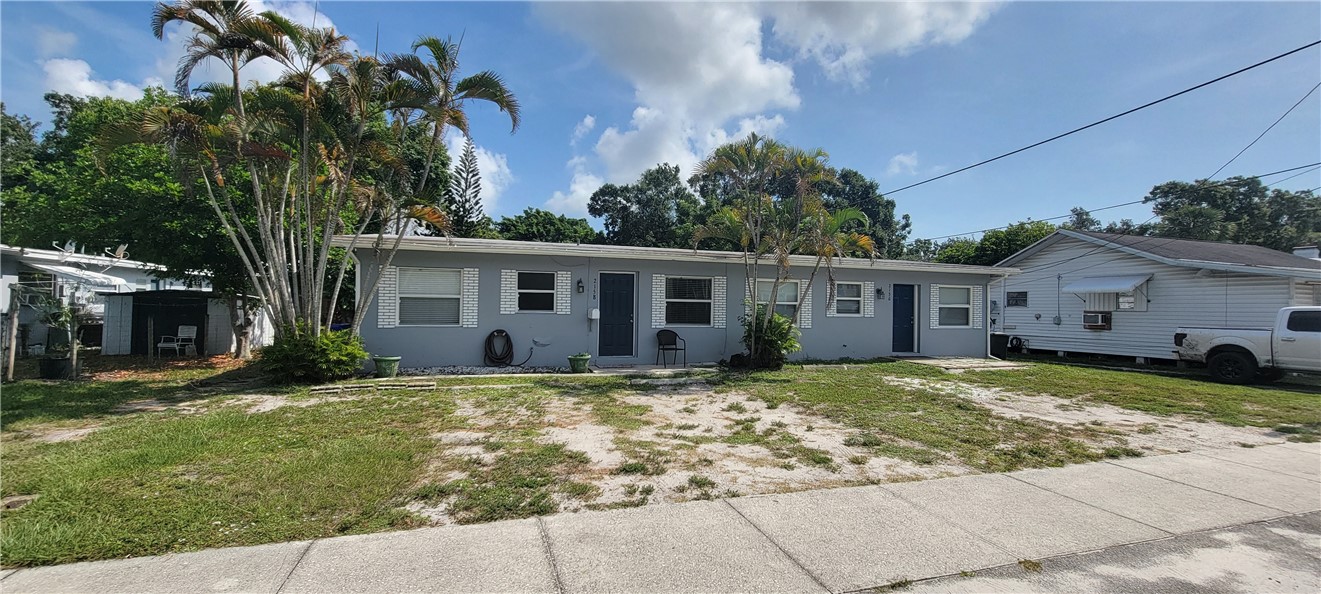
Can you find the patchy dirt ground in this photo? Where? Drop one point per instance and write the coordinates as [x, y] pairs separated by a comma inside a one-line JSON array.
[[1150, 433]]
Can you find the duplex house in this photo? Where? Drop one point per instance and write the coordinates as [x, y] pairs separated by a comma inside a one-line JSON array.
[[439, 300], [1125, 295]]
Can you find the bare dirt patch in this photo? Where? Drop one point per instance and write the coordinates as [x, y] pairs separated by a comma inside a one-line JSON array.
[[731, 444], [1149, 433]]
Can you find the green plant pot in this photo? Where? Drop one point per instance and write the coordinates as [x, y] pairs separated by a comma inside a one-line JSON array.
[[578, 363], [386, 366]]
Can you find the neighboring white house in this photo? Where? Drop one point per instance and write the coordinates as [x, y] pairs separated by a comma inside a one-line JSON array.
[[77, 278], [1124, 295]]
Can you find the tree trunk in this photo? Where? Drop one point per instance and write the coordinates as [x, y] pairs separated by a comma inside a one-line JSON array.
[[241, 323]]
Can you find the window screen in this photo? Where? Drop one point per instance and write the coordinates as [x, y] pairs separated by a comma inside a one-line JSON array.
[[955, 306], [687, 301], [536, 291], [786, 297], [848, 299], [429, 296]]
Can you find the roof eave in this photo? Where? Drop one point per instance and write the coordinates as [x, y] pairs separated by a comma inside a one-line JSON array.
[[661, 254]]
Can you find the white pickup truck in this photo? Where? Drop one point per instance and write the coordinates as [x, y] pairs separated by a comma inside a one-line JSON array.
[[1241, 355]]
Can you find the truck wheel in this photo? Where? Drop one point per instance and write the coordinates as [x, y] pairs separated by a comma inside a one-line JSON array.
[[1232, 367]]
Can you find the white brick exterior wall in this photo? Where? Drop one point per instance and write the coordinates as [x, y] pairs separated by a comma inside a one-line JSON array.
[[468, 309], [868, 299], [563, 292], [719, 297], [508, 292], [934, 309], [657, 301], [977, 298], [805, 312], [387, 298]]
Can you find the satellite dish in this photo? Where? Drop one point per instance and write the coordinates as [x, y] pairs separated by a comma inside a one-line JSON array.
[[119, 253]]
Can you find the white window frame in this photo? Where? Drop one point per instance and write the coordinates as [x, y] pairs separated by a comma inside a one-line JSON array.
[[859, 298], [519, 292], [400, 294], [711, 285], [941, 306], [798, 288], [1009, 299]]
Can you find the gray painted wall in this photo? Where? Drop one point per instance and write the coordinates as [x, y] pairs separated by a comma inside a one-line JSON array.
[[1178, 296], [827, 338]]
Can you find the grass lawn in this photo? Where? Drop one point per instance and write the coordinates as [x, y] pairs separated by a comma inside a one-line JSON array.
[[212, 461]]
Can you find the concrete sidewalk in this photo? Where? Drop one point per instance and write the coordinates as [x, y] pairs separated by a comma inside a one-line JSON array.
[[833, 540]]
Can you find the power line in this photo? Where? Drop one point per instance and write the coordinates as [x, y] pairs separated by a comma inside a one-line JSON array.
[[1263, 132], [1046, 265], [1313, 167], [1113, 117]]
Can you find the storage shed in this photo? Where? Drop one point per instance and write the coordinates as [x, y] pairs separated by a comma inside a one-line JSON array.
[[134, 322]]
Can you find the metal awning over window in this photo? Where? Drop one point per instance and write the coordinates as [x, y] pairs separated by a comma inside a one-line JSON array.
[[93, 279], [1106, 284]]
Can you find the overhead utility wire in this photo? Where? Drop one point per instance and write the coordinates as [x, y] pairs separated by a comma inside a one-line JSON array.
[[1263, 132], [1046, 265], [1113, 117], [1091, 210]]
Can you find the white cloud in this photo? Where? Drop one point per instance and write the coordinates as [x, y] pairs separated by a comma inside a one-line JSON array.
[[843, 37], [74, 77], [902, 163], [579, 131], [493, 168], [263, 70], [700, 69], [581, 187], [53, 42]]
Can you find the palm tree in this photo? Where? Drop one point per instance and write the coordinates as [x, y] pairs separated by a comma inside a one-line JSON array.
[[447, 96], [226, 30]]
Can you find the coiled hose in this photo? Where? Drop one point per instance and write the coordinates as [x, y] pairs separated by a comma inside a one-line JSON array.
[[503, 355]]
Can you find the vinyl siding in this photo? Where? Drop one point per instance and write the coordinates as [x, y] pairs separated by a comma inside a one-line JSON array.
[[1177, 297], [1306, 293]]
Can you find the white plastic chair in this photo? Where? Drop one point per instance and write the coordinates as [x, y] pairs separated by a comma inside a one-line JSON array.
[[185, 341]]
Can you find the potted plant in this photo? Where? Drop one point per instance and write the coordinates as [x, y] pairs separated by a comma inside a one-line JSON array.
[[578, 363], [386, 366], [61, 361]]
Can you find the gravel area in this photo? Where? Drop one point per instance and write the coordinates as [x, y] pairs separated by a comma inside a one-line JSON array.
[[477, 370]]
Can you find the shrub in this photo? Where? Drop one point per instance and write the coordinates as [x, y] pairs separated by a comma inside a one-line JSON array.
[[302, 358], [774, 340]]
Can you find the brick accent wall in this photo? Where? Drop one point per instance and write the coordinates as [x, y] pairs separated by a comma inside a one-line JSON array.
[[719, 302], [387, 298], [508, 292], [868, 299], [805, 312], [563, 292], [468, 313], [657, 301], [977, 298], [934, 308]]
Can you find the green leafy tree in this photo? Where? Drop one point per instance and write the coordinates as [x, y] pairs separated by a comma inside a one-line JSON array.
[[534, 224], [657, 211], [1080, 219], [957, 250], [18, 146], [1237, 210], [854, 190], [464, 201]]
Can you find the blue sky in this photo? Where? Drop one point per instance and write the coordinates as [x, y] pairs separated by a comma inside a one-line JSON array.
[[899, 92]]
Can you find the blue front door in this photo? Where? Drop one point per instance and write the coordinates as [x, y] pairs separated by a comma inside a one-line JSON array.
[[905, 319], [616, 315]]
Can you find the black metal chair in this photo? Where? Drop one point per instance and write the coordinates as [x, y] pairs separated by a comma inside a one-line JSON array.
[[668, 341]]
